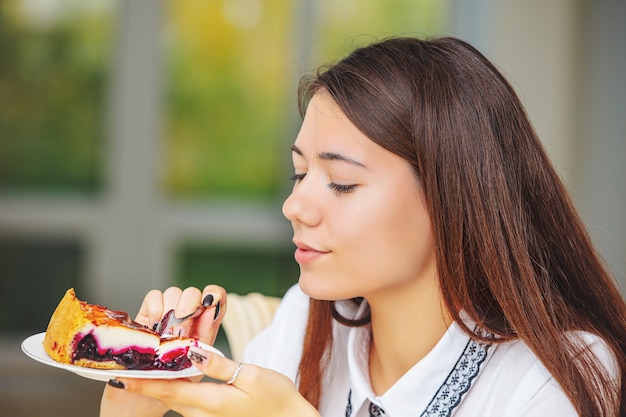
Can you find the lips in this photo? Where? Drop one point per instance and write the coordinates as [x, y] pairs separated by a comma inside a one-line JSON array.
[[305, 254]]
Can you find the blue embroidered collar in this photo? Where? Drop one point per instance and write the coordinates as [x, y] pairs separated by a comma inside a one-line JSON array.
[[456, 385]]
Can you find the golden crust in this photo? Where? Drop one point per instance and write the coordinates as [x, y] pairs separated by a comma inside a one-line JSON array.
[[66, 321], [86, 363], [69, 318]]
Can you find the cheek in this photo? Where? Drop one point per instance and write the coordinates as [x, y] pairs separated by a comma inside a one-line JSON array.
[[390, 238]]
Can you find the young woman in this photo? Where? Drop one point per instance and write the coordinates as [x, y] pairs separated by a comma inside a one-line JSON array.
[[443, 266]]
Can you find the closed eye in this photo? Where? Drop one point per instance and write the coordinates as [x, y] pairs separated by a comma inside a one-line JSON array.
[[297, 177], [341, 189]]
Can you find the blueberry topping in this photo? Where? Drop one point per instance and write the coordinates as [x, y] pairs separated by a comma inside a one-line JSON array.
[[87, 348]]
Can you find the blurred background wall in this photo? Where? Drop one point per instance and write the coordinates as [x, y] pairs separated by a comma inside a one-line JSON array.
[[145, 143]]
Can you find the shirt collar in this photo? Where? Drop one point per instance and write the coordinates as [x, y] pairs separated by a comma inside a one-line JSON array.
[[410, 394]]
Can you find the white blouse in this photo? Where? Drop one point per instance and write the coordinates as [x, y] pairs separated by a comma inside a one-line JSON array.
[[459, 377]]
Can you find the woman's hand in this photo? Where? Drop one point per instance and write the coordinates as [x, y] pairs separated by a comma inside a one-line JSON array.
[[120, 403], [254, 391], [205, 327]]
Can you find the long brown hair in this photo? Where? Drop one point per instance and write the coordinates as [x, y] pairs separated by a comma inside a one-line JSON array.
[[512, 253]]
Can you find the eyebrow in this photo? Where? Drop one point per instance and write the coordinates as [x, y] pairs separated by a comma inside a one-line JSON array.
[[331, 156]]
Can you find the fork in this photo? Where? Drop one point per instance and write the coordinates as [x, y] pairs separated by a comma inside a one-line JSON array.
[[170, 320]]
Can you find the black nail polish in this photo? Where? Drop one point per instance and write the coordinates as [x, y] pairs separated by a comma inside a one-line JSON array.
[[208, 300], [195, 356], [217, 310], [116, 384]]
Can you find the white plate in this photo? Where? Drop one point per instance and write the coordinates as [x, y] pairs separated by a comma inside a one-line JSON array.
[[33, 347]]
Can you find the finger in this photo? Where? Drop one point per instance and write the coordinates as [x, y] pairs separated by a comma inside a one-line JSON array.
[[170, 301], [170, 298], [134, 404], [221, 368], [188, 302], [207, 325], [176, 393], [151, 309]]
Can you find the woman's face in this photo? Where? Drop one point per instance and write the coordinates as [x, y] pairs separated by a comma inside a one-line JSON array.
[[360, 224]]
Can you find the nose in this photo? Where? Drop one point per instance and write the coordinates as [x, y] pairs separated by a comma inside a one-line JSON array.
[[300, 207]]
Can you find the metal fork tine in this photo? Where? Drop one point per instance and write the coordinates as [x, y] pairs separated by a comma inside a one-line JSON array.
[[170, 320]]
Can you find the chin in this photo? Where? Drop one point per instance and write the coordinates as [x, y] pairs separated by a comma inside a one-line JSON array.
[[325, 290]]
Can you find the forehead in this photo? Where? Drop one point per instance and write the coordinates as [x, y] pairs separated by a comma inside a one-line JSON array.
[[327, 129]]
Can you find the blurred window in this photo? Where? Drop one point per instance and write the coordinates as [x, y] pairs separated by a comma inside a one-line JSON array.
[[230, 72], [240, 269], [54, 63], [34, 272]]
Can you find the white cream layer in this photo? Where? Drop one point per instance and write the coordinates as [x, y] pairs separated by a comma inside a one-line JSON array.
[[169, 345], [119, 338]]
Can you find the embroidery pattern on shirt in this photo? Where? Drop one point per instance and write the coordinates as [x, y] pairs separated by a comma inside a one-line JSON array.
[[459, 380], [349, 406], [375, 411]]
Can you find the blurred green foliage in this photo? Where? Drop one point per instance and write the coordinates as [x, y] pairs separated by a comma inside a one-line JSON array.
[[347, 24], [227, 83], [239, 269], [52, 80], [231, 80]]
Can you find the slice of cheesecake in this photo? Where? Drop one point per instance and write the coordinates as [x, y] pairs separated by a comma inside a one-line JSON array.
[[93, 336]]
